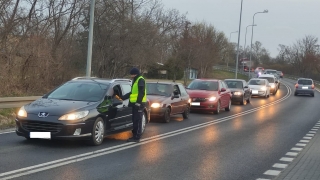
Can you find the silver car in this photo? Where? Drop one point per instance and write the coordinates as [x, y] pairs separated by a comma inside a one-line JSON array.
[[304, 86], [259, 87]]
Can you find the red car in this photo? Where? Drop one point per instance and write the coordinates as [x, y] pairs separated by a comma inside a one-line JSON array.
[[209, 95]]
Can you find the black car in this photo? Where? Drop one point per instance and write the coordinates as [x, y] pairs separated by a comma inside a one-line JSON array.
[[239, 90], [83, 108], [166, 99]]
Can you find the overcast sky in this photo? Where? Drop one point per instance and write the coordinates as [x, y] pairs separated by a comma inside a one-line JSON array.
[[285, 23]]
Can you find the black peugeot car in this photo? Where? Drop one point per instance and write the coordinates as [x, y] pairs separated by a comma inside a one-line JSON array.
[[83, 108], [239, 90]]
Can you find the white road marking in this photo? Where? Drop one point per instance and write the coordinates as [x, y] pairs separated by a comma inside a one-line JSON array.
[[287, 159], [314, 129], [272, 172], [291, 154], [312, 132], [278, 165], [307, 137], [89, 155], [296, 149], [304, 141], [300, 144], [7, 132], [309, 134], [262, 179]]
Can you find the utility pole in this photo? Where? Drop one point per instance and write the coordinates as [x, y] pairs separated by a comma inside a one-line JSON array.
[[90, 39], [238, 41]]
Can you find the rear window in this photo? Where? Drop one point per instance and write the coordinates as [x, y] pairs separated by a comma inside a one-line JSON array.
[[270, 79], [271, 72], [204, 85], [257, 82], [234, 84], [304, 82]]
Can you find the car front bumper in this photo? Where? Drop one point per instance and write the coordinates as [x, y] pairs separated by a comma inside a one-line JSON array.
[[204, 106]]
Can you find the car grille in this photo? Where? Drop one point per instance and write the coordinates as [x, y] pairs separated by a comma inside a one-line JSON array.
[[34, 126], [199, 99]]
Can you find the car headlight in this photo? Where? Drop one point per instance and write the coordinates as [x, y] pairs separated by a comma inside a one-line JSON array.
[[263, 88], [272, 86], [74, 116], [156, 105], [22, 112], [237, 93], [189, 101], [212, 98]]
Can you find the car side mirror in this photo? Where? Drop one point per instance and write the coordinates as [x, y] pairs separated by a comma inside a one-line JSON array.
[[246, 87], [223, 89], [175, 96], [277, 81], [116, 102], [175, 92]]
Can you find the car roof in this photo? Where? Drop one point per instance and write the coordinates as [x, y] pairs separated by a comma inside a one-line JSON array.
[[258, 79], [203, 79], [270, 70], [305, 79], [100, 80], [266, 75], [234, 80], [165, 82]]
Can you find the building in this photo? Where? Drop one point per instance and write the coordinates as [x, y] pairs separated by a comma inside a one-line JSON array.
[[192, 73]]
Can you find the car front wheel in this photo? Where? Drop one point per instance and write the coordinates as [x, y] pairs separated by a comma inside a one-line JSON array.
[[98, 130], [186, 112]]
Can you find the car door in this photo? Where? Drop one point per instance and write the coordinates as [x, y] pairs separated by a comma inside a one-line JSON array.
[[175, 102], [184, 97], [117, 114], [180, 100], [223, 95], [246, 90], [127, 111]]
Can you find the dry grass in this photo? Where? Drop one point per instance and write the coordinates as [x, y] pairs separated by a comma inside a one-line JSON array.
[[7, 118]]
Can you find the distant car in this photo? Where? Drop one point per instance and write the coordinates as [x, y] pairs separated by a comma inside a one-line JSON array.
[[259, 87], [209, 95], [280, 74], [166, 99], [239, 90], [273, 82], [272, 72], [259, 69], [304, 86], [82, 108]]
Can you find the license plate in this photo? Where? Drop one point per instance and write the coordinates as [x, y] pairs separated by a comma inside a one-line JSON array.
[[40, 135], [255, 91], [304, 87], [195, 104]]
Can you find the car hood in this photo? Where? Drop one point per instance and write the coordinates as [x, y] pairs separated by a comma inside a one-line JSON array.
[[235, 89], [156, 98], [56, 107], [201, 93], [256, 86]]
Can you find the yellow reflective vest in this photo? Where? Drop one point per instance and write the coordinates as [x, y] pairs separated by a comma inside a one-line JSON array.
[[135, 91]]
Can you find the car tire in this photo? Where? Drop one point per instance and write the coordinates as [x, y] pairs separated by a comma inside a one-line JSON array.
[[312, 95], [166, 116], [98, 130], [217, 111], [229, 106], [186, 112], [143, 122], [244, 101], [295, 94]]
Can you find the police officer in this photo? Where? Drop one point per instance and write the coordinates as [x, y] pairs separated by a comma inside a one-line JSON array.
[[137, 100]]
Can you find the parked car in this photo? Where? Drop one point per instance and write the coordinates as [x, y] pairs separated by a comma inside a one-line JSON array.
[[273, 82], [209, 95], [304, 86], [166, 99], [259, 87], [280, 74], [239, 90], [82, 108]]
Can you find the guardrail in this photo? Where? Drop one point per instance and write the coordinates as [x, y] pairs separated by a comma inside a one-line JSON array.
[[15, 102]]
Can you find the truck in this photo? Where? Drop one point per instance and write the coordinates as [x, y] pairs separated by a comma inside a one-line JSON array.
[[244, 64]]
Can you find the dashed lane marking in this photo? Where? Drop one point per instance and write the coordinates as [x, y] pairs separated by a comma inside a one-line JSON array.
[[296, 149], [291, 154], [286, 159], [272, 172], [278, 165]]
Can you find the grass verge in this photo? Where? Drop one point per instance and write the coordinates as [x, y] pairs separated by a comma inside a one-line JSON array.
[[219, 74], [7, 118]]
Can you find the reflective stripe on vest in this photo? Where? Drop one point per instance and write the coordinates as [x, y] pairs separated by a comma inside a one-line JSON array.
[[135, 91]]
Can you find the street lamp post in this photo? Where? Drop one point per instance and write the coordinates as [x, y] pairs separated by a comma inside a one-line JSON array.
[[230, 35], [265, 11], [245, 37], [90, 39], [239, 40]]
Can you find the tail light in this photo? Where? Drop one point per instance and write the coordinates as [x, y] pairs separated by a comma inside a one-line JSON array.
[[312, 86], [297, 85]]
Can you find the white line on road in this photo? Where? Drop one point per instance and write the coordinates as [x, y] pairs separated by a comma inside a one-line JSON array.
[[309, 134], [304, 141], [278, 165], [272, 172], [312, 132], [307, 137], [314, 129], [81, 157], [296, 149], [291, 154], [287, 159], [300, 144], [7, 132]]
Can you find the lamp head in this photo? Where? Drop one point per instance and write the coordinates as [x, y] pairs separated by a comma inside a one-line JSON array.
[[265, 11]]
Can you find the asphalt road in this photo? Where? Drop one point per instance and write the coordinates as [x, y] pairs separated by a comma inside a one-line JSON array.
[[240, 144]]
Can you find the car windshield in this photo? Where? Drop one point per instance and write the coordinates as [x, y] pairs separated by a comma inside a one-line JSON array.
[[257, 82], [304, 82], [234, 84], [204, 85], [159, 89], [79, 91], [270, 79], [271, 72]]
